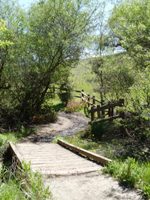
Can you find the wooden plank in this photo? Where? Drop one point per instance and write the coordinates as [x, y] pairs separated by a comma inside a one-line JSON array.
[[78, 91], [92, 156], [105, 119], [16, 152], [52, 159]]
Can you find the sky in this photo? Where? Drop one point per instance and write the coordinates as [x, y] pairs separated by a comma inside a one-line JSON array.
[[26, 3]]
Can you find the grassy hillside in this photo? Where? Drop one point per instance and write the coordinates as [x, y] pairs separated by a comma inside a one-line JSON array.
[[82, 76]]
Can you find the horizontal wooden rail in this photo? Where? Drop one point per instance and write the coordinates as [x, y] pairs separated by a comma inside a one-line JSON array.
[[106, 119], [78, 91], [91, 156], [93, 108]]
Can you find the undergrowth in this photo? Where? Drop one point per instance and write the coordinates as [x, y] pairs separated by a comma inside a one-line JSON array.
[[22, 184], [84, 140], [131, 173]]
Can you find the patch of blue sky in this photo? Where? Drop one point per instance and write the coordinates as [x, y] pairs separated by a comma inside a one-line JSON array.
[[26, 3]]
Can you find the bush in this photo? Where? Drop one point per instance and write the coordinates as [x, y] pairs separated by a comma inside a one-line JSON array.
[[145, 183], [98, 129], [46, 115], [65, 93]]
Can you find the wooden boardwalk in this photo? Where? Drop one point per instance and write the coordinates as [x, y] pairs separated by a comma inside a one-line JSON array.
[[52, 159]]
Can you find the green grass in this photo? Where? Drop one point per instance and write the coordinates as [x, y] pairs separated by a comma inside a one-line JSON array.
[[22, 185], [55, 103], [131, 173], [13, 137], [10, 190], [88, 142], [82, 76], [82, 143]]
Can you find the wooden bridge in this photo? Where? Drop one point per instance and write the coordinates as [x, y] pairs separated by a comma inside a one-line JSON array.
[[57, 159]]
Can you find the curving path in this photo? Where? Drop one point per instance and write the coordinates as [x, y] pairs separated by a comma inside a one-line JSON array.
[[67, 124], [65, 186]]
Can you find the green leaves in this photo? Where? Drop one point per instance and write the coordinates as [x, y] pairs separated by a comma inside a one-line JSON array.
[[130, 23], [48, 39], [5, 35], [140, 94]]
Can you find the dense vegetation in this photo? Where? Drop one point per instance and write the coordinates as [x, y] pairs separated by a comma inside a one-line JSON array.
[[22, 184], [41, 47], [37, 48], [126, 75]]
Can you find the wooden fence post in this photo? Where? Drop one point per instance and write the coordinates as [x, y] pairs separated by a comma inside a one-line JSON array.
[[103, 114], [98, 111], [88, 99], [53, 90], [82, 95], [93, 100], [92, 113], [111, 112]]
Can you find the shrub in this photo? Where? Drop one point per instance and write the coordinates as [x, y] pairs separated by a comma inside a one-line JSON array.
[[98, 129], [10, 190], [145, 182], [65, 93], [46, 115]]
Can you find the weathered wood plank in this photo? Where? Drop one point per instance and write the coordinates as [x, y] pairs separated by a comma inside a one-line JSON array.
[[53, 159], [15, 152], [92, 156]]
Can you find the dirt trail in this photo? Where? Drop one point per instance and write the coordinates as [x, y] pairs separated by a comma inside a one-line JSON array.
[[67, 124], [90, 186]]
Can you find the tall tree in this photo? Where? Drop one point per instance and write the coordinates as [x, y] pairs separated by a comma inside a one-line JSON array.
[[130, 23], [47, 40], [5, 42]]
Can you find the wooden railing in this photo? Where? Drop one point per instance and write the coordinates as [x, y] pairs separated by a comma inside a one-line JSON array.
[[93, 107], [107, 111], [90, 100], [98, 111]]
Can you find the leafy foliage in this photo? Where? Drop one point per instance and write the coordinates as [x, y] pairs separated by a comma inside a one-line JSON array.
[[130, 23], [47, 40], [65, 93], [140, 94], [113, 71]]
